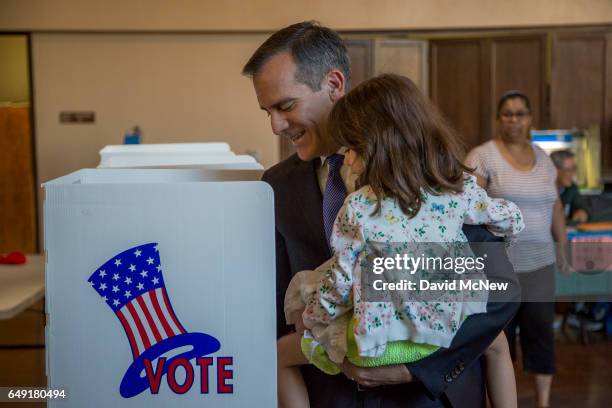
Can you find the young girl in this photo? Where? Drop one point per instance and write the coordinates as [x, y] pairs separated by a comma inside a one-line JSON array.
[[413, 189]]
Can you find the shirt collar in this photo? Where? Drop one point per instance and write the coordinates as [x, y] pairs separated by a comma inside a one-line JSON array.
[[341, 151]]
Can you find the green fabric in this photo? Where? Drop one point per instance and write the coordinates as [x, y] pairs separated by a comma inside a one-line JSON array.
[[396, 352], [571, 197], [315, 353]]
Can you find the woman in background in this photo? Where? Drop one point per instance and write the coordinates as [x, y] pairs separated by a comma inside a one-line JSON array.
[[511, 167]]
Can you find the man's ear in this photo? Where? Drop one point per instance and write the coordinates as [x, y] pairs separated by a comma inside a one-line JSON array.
[[336, 84]]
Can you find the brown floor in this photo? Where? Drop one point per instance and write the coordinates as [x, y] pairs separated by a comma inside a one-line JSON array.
[[583, 378]]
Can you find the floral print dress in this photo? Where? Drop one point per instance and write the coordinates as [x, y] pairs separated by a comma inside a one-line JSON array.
[[331, 294]]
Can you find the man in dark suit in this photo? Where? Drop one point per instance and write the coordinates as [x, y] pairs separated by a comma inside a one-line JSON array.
[[298, 74]]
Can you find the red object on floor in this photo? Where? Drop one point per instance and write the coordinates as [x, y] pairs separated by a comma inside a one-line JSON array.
[[14, 258]]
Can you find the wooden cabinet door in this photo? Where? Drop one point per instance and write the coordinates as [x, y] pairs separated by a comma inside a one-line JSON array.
[[458, 87], [519, 63], [361, 56], [403, 57], [18, 230], [468, 76], [581, 87]]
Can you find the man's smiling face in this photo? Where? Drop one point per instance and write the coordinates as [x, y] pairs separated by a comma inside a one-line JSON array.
[[296, 111]]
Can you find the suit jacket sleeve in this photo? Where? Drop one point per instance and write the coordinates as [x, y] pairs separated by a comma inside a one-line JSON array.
[[283, 277], [437, 371]]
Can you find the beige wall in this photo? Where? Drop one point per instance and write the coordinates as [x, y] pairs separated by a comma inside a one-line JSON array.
[[14, 85], [267, 15], [176, 87], [187, 87]]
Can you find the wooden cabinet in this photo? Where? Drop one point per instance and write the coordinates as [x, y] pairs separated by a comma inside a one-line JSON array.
[[18, 230], [468, 76], [457, 87], [362, 60], [403, 57], [519, 63], [566, 75], [22, 350], [371, 57], [581, 87]]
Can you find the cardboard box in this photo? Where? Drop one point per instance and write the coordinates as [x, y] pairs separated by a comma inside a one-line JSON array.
[[211, 313]]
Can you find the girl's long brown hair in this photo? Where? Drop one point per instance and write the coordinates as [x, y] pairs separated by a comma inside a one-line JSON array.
[[406, 145]]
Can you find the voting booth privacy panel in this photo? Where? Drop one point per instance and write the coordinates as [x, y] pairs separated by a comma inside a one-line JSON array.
[[175, 155], [160, 288]]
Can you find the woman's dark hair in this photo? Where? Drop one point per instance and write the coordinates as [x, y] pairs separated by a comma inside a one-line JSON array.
[[560, 156], [513, 94], [406, 145]]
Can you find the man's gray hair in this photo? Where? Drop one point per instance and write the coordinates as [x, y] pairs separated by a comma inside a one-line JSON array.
[[316, 50]]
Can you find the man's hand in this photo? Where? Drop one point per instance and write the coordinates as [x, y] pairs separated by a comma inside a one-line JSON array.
[[377, 376], [296, 317]]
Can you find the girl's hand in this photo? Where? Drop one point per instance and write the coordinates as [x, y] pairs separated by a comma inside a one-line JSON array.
[[299, 325]]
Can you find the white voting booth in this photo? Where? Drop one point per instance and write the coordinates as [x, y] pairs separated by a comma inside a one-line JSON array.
[[175, 155], [160, 287]]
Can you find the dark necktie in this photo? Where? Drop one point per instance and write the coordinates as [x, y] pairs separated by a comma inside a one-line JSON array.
[[334, 194]]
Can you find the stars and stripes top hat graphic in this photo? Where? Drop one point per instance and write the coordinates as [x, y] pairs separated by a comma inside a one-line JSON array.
[[132, 285]]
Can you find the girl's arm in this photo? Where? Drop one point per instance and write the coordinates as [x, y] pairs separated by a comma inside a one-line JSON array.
[[480, 169], [502, 217], [334, 292]]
